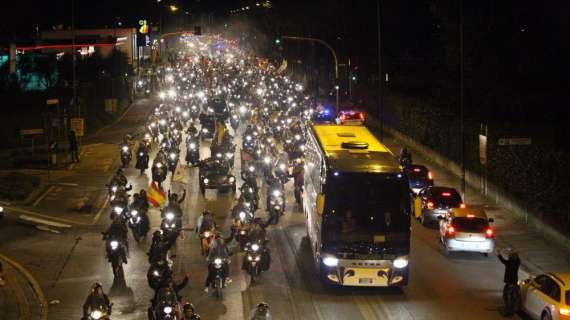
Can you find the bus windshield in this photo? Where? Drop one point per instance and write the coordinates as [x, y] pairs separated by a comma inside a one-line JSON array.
[[366, 208]]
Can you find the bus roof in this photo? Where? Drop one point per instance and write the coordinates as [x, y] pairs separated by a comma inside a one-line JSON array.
[[344, 149]]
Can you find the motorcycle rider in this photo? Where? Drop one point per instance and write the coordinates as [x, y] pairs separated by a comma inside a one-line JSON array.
[[405, 156], [96, 298], [189, 312], [273, 185], [119, 179], [168, 282], [257, 234], [298, 179], [173, 198], [261, 312], [511, 278], [118, 230], [205, 222], [141, 200], [142, 162], [218, 249]]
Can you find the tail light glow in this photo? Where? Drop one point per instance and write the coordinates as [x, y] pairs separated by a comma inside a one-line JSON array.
[[450, 231], [446, 194], [430, 205], [462, 206], [489, 233]]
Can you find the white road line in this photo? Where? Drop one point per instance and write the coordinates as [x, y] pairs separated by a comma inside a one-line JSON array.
[[68, 184], [43, 195], [100, 211], [43, 222]]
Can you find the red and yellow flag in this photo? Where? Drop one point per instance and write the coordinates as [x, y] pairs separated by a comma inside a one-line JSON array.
[[155, 196]]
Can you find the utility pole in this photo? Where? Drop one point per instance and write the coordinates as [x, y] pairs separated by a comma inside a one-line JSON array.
[[461, 111], [380, 78], [336, 86]]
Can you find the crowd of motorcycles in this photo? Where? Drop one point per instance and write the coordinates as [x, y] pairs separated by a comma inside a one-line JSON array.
[[200, 99]]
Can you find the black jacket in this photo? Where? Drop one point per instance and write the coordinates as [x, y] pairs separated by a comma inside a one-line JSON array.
[[511, 269]]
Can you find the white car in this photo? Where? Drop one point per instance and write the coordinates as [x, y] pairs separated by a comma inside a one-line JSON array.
[[466, 229], [547, 296]]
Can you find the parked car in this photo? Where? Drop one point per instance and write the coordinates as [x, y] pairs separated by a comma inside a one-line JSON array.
[[546, 296]]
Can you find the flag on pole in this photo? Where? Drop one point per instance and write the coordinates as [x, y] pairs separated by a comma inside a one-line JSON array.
[[155, 196]]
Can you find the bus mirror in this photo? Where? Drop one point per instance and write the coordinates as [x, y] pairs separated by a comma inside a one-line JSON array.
[[320, 203]]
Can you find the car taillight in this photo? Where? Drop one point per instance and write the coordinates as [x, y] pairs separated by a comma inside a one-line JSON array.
[[462, 206], [361, 116], [450, 232], [430, 205], [446, 194], [430, 176], [489, 233]]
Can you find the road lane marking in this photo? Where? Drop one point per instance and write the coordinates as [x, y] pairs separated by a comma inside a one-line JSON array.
[[43, 195], [33, 282], [68, 184], [96, 218], [36, 214], [35, 220]]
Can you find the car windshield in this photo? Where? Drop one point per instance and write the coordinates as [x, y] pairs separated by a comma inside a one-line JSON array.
[[366, 208], [446, 198], [470, 224], [417, 173], [215, 167]]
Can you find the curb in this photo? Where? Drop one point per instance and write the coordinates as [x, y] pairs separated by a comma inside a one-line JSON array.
[[33, 282]]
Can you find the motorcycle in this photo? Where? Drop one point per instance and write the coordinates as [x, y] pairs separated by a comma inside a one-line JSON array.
[[171, 225], [166, 306], [116, 254], [192, 151], [159, 173], [158, 271], [126, 155], [253, 260], [119, 202], [218, 284], [234, 121], [248, 194], [142, 161], [98, 312], [172, 162], [276, 205], [138, 223], [282, 172]]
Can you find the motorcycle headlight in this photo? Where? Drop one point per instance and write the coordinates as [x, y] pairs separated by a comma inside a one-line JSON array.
[[248, 138], [267, 160], [276, 193], [218, 261], [163, 122], [206, 180], [112, 197], [232, 179], [282, 167], [173, 156], [185, 114], [330, 261], [159, 165], [170, 216], [255, 247], [242, 215], [118, 210], [114, 188], [177, 109], [205, 130], [249, 258], [192, 145], [141, 154], [242, 109], [153, 124], [167, 310], [125, 148], [218, 155], [257, 258], [155, 273], [229, 155], [251, 169], [134, 213], [114, 245], [277, 207], [401, 262], [96, 315], [297, 137], [288, 141], [242, 232]]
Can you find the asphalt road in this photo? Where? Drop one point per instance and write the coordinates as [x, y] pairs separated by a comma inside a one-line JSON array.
[[463, 286]]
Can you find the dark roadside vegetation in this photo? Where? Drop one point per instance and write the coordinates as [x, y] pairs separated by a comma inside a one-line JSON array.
[[515, 70]]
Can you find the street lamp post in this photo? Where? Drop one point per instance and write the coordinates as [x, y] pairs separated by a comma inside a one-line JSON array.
[[336, 86]]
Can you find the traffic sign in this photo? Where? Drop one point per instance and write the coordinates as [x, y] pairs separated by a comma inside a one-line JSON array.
[[515, 141], [77, 125]]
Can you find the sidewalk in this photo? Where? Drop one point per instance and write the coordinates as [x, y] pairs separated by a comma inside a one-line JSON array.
[[76, 194], [537, 254]]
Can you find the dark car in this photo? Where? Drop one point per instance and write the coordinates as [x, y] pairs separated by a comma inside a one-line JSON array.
[[215, 174], [437, 201], [324, 116], [419, 177], [351, 117]]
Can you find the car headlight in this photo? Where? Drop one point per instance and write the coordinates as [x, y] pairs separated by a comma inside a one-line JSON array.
[[96, 315], [232, 179], [255, 247], [330, 261], [206, 180], [401, 262], [167, 310], [114, 245], [170, 216], [118, 210]]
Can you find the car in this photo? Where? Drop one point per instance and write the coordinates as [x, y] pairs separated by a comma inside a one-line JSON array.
[[546, 296], [419, 177], [351, 117], [436, 201], [468, 230], [324, 116], [215, 174]]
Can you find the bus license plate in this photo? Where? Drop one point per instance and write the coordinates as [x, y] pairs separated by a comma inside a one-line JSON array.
[[365, 280]]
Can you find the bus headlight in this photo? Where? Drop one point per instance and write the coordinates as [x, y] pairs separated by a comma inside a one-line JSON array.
[[401, 262], [330, 261]]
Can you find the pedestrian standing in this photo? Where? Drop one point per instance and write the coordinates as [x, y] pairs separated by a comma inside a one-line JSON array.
[[73, 146], [511, 291]]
